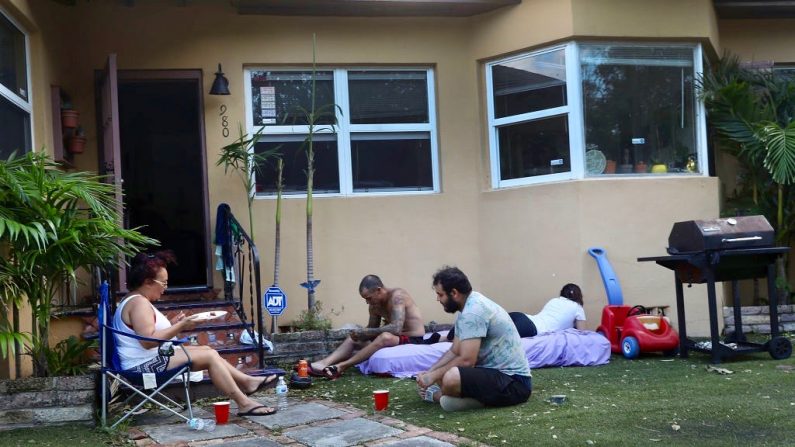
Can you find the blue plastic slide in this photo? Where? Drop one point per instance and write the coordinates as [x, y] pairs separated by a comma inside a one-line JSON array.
[[612, 287]]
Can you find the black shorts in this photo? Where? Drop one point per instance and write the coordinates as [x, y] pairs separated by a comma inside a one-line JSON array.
[[407, 340], [494, 388]]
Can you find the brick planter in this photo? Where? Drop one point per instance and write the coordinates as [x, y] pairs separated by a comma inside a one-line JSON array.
[[756, 319], [39, 401]]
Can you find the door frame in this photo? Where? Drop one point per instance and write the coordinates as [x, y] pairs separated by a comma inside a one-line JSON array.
[[179, 74], [186, 74]]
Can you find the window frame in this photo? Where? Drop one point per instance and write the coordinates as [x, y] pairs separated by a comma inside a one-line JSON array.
[[25, 105], [344, 128], [576, 117]]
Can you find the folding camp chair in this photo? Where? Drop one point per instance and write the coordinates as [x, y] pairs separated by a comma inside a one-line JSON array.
[[131, 380]]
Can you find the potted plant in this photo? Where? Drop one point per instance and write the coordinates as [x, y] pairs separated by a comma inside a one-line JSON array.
[[76, 143], [70, 118], [53, 224]]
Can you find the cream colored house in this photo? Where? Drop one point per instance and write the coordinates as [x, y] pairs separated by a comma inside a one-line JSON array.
[[502, 136]]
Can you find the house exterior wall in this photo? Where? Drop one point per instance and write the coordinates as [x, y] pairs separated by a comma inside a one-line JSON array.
[[518, 245]]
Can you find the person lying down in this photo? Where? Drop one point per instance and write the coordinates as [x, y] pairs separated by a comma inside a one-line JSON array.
[[559, 313]]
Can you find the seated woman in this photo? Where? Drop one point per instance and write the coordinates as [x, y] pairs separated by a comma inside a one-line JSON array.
[[559, 313], [147, 280]]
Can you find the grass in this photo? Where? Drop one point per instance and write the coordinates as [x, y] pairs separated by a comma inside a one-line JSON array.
[[65, 435], [670, 401], [653, 400]]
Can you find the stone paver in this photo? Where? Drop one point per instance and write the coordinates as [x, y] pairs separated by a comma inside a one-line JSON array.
[[297, 414], [160, 417], [169, 434], [315, 423], [251, 442], [343, 433], [419, 441]]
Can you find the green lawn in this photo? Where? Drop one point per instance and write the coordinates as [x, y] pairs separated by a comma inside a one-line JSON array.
[[670, 401], [641, 402]]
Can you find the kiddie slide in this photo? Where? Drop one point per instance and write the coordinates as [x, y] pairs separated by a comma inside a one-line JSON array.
[[570, 347]]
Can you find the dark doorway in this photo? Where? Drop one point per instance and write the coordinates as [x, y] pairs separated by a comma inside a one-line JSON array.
[[163, 165]]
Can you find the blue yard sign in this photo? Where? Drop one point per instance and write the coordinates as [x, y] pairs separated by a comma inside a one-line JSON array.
[[275, 301]]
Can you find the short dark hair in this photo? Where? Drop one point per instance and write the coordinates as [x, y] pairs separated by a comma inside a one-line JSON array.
[[146, 265], [370, 282], [452, 278], [572, 292]]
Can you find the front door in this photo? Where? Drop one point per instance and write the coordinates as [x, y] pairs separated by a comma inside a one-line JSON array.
[[163, 166]]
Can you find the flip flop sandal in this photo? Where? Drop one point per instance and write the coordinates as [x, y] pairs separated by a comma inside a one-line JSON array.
[[331, 372], [254, 412], [315, 373], [269, 382]]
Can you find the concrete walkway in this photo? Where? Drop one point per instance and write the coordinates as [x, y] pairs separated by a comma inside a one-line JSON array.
[[313, 423]]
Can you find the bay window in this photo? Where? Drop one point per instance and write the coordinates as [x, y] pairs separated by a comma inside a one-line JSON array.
[[15, 105], [375, 129], [595, 109]]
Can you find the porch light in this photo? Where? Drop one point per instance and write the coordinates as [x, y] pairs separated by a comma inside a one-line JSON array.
[[220, 84]]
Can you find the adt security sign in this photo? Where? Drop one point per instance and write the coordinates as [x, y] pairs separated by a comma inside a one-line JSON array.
[[275, 301]]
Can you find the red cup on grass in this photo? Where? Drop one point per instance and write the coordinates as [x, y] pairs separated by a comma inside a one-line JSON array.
[[221, 412], [380, 399]]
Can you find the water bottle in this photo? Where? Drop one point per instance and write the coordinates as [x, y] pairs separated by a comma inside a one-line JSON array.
[[201, 424], [281, 394]]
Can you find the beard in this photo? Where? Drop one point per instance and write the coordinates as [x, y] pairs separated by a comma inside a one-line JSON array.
[[450, 306]]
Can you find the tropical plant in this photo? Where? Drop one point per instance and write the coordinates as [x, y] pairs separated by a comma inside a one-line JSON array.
[[53, 223], [68, 358], [241, 158], [314, 116], [753, 112]]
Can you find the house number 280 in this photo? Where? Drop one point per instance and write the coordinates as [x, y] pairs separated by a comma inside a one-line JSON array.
[[224, 122]]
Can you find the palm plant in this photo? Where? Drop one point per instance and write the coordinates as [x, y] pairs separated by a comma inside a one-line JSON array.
[[53, 223], [241, 158], [314, 116], [753, 112]]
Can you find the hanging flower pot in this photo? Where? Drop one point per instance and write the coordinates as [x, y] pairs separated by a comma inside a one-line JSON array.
[[69, 118], [76, 142]]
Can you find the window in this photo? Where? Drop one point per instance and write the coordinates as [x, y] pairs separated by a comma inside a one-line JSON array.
[[375, 131], [15, 106], [593, 109]]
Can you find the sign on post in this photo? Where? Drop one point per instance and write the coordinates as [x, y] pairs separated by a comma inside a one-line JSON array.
[[275, 301]]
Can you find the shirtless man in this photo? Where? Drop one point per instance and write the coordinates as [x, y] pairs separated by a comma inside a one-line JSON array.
[[402, 325]]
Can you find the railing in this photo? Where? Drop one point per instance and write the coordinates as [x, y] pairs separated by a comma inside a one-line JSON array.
[[239, 253]]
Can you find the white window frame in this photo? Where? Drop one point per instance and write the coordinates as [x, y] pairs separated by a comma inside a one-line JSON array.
[[344, 128], [25, 105], [574, 109]]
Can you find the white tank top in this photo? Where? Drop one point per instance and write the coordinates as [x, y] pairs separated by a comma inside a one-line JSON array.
[[130, 350]]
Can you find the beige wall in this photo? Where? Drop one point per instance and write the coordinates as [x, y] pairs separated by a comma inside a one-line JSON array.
[[759, 40], [518, 245]]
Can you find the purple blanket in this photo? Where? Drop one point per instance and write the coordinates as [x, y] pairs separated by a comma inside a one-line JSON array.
[[564, 348]]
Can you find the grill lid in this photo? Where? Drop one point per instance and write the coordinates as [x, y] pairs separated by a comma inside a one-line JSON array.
[[720, 234]]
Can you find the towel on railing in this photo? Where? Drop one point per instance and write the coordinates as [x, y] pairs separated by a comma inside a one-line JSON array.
[[225, 258]]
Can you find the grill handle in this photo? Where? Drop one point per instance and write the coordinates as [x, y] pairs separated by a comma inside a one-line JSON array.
[[742, 239]]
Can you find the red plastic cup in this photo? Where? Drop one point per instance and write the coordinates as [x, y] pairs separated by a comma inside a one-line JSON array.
[[380, 399], [221, 412]]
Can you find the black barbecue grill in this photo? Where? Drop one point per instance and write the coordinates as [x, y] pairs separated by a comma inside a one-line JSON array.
[[710, 251]]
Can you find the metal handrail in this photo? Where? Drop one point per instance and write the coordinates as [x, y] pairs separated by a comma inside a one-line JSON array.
[[255, 263]]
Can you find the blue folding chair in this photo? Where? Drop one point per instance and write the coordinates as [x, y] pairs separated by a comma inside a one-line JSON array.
[[132, 380]]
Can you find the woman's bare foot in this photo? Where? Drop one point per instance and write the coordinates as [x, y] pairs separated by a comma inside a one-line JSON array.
[[254, 408], [259, 383]]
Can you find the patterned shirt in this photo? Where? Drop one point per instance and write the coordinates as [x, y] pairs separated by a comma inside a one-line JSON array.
[[500, 345]]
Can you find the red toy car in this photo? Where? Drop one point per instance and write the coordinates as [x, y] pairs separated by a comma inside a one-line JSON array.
[[631, 330]]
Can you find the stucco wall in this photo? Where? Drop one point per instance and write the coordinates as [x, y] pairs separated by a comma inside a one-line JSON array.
[[507, 241]]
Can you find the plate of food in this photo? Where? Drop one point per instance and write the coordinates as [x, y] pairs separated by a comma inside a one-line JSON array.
[[211, 315]]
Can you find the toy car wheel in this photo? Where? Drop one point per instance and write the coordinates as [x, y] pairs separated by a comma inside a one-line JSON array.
[[780, 348], [630, 347], [671, 352]]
